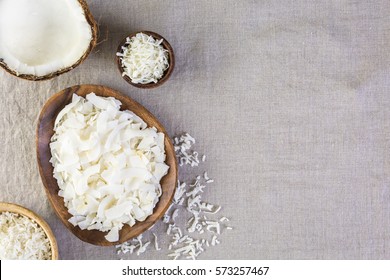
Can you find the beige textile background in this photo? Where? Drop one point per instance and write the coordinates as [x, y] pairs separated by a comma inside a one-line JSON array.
[[289, 99]]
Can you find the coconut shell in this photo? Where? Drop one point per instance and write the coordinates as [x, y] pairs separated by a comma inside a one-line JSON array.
[[94, 28]]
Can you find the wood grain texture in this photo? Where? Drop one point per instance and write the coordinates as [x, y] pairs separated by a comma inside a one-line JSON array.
[[171, 60], [45, 131], [14, 208], [94, 30]]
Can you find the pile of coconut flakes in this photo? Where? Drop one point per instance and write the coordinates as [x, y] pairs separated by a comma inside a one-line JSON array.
[[203, 222]]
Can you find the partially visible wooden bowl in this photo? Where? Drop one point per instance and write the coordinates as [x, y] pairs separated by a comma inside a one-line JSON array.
[[17, 209], [45, 131], [167, 73]]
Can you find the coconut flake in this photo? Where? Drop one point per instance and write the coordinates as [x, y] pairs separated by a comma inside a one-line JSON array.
[[113, 235], [107, 163]]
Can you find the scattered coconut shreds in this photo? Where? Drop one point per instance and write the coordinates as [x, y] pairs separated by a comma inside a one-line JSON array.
[[175, 214], [142, 249], [183, 245], [178, 197], [188, 197], [166, 218], [130, 246], [214, 241], [156, 243], [185, 155]]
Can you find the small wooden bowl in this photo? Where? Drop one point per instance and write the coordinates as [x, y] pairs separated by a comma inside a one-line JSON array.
[[17, 209], [167, 73], [45, 131]]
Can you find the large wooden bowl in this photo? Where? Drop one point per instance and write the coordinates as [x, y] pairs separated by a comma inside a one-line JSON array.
[[45, 131], [17, 209]]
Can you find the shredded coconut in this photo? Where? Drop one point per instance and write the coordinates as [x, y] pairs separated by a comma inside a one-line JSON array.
[[143, 59], [132, 245], [156, 243], [22, 239], [175, 214], [142, 249], [214, 241], [182, 145], [184, 243]]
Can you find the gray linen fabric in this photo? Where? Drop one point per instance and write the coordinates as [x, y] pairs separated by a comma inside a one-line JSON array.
[[290, 100]]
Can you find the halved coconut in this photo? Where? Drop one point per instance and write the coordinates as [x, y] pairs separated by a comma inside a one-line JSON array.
[[41, 39]]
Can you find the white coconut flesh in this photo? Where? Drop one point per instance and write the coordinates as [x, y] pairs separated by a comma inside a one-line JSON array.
[[40, 37]]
